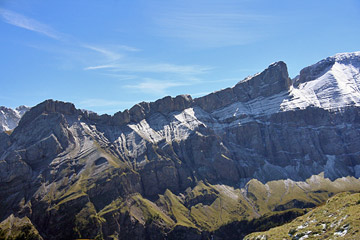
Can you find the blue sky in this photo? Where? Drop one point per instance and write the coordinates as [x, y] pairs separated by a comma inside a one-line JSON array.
[[107, 56]]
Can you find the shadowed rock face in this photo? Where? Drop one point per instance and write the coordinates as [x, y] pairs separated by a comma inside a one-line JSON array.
[[136, 172]]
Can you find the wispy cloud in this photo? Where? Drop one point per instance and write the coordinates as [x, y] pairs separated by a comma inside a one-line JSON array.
[[21, 21], [109, 54], [108, 66], [152, 68], [210, 25], [154, 86], [71, 46], [110, 59]]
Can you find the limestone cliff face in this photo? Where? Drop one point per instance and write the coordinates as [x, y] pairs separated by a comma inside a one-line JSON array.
[[273, 80], [146, 168]]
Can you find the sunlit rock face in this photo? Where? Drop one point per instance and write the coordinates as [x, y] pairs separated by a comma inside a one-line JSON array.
[[9, 118], [144, 169]]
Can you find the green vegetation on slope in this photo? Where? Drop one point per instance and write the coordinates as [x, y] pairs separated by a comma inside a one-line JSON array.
[[14, 228], [238, 229], [287, 194], [206, 207], [338, 218]]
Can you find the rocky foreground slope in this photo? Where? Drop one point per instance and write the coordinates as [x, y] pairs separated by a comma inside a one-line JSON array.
[[186, 168]]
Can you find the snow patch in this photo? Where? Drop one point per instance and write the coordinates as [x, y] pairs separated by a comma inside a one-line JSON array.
[[305, 225], [343, 231], [337, 88], [158, 127]]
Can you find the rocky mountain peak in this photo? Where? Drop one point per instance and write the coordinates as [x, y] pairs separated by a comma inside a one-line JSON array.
[[346, 57], [143, 110], [320, 68], [164, 105], [272, 80], [48, 106], [22, 109], [332, 83]]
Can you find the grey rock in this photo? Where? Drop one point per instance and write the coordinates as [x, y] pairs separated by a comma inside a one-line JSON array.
[[272, 80], [48, 106], [4, 142]]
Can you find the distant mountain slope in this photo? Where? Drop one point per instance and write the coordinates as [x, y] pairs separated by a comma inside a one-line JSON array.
[[9, 118], [186, 168], [338, 218]]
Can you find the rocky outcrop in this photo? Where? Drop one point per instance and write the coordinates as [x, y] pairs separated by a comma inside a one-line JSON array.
[[46, 107], [272, 80]]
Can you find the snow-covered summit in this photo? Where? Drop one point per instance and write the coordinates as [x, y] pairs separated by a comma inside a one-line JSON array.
[[345, 56], [9, 118], [21, 110], [316, 70], [331, 83]]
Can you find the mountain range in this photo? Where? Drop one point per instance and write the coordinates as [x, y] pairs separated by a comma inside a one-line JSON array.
[[184, 168]]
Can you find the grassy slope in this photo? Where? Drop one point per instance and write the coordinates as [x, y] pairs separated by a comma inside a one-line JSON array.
[[14, 227], [286, 194], [205, 207], [208, 207], [338, 218]]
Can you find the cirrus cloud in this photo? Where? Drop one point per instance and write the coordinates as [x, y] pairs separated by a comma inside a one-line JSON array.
[[22, 21]]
